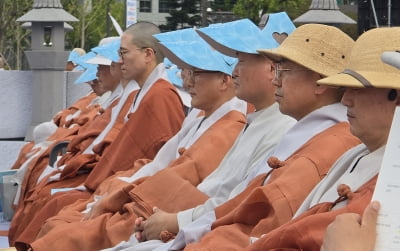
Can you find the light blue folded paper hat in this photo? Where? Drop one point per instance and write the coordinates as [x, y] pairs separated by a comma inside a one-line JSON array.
[[244, 36], [173, 72], [172, 69], [106, 52], [88, 75], [81, 61], [90, 69], [277, 24], [177, 36], [73, 55], [191, 51]]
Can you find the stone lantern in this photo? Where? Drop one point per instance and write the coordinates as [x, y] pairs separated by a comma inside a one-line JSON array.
[[47, 59], [324, 12]]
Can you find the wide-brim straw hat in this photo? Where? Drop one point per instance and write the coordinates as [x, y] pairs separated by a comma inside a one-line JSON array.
[[365, 67], [321, 48]]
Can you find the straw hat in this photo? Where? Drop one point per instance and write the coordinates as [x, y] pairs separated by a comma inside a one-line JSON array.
[[365, 67], [321, 48]]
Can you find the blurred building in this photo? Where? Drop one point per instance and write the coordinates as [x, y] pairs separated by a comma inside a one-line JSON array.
[[154, 11]]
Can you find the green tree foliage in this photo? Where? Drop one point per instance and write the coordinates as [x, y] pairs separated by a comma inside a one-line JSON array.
[[253, 9], [223, 5], [184, 13], [94, 23], [13, 38]]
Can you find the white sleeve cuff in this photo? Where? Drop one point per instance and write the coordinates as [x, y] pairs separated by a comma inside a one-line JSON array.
[[185, 217]]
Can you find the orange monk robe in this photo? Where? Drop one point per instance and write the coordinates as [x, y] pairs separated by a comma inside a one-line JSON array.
[[76, 158], [78, 144], [79, 136], [172, 189], [73, 118], [86, 109], [158, 117], [306, 232], [61, 118], [23, 155], [63, 133], [69, 205], [62, 200], [262, 208]]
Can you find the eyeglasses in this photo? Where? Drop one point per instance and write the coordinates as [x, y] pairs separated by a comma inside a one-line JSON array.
[[122, 52], [278, 71], [192, 74]]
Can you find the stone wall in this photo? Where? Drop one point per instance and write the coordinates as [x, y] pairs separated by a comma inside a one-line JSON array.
[[16, 100], [16, 109]]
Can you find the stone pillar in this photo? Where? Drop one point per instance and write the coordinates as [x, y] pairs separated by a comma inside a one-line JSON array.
[[47, 59]]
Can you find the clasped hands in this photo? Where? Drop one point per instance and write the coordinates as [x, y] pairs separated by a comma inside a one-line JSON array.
[[151, 228]]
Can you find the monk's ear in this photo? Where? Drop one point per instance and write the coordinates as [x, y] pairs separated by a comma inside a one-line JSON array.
[[320, 89], [150, 54], [226, 81]]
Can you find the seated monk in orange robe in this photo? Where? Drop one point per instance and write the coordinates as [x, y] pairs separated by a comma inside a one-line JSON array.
[[156, 97], [321, 136], [174, 186], [74, 121], [349, 186], [35, 170]]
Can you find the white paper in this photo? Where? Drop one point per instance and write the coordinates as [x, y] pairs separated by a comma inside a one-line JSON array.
[[387, 192]]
